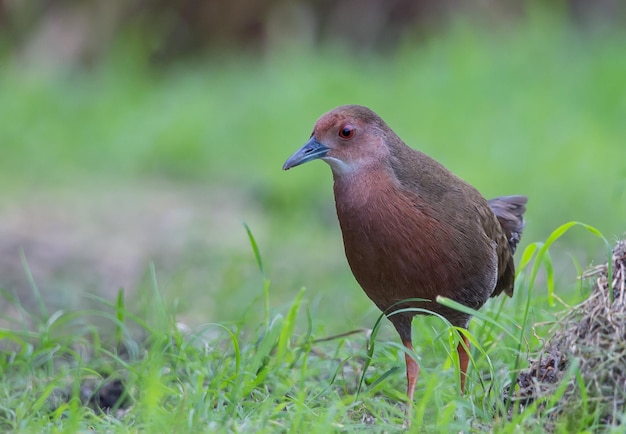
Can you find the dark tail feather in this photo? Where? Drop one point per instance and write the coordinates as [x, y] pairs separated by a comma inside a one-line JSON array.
[[510, 212]]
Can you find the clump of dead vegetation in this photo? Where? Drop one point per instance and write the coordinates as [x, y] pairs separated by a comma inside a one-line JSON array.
[[587, 350]]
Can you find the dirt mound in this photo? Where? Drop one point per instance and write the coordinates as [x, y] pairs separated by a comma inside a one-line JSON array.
[[590, 340]]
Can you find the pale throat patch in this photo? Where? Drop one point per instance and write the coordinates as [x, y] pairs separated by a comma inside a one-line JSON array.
[[339, 167]]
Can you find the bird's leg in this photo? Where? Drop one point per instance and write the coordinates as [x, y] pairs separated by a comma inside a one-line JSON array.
[[412, 370], [463, 360]]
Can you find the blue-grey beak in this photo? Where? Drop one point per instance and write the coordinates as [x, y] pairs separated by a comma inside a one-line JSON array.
[[312, 150]]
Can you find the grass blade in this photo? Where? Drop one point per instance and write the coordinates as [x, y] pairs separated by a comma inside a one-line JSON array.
[[43, 310], [255, 249]]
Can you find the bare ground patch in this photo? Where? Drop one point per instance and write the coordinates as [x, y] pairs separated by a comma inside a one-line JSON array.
[[100, 240]]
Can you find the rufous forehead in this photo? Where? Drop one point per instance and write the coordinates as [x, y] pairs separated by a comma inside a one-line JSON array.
[[331, 121]]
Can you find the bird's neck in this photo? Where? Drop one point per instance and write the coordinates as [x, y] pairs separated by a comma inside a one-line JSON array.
[[359, 189]]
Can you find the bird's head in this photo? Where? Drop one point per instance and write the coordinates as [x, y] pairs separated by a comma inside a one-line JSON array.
[[348, 138]]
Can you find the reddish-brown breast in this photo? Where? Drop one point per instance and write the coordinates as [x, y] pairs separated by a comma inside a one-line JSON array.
[[402, 245]]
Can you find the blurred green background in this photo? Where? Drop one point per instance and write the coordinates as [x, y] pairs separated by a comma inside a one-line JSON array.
[[147, 131]]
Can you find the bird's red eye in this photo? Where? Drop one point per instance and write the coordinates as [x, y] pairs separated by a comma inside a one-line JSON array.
[[347, 132]]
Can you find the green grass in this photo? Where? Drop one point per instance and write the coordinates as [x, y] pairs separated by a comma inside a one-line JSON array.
[[537, 109], [263, 377]]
